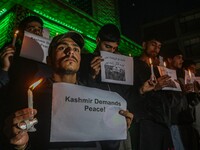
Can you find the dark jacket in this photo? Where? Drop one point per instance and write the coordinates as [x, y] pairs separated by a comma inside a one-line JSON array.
[[159, 106]]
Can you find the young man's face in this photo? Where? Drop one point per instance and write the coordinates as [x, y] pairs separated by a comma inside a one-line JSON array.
[[152, 48], [107, 46], [67, 56], [177, 62], [34, 27]]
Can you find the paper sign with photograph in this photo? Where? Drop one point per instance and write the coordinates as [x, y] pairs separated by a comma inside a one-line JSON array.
[[116, 68], [81, 113], [174, 85], [34, 47]]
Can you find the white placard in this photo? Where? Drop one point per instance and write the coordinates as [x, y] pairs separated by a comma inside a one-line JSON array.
[[35, 47], [81, 113], [116, 68], [175, 86], [46, 33]]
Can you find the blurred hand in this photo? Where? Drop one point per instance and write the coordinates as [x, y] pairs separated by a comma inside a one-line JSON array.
[[149, 85], [5, 57], [95, 65], [128, 115], [162, 82], [16, 135], [189, 87]]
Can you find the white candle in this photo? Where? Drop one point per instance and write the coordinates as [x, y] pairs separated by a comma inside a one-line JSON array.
[[151, 64], [30, 93], [164, 64], [165, 69], [30, 98], [14, 38], [190, 75]]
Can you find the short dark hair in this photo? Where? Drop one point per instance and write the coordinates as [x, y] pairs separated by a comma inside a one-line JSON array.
[[109, 32], [23, 24], [151, 36], [171, 53], [187, 63], [75, 36]]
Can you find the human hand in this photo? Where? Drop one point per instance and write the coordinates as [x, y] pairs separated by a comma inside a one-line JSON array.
[[129, 117], [16, 135], [5, 57], [189, 87], [95, 65], [162, 82], [148, 86]]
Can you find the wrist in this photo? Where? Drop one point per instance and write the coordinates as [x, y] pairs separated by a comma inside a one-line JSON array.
[[21, 147], [141, 90]]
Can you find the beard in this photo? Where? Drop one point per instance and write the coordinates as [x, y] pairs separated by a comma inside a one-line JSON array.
[[151, 55], [66, 72]]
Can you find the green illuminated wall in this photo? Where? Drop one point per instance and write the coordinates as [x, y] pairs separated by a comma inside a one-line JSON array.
[[59, 18]]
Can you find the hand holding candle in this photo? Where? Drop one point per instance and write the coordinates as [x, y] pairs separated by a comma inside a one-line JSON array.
[[15, 38]]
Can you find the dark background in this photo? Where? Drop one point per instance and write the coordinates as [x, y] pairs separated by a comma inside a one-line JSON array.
[[135, 13]]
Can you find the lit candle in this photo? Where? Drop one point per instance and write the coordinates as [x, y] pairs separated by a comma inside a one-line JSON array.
[[15, 38], [30, 93], [152, 72], [151, 64], [56, 33], [190, 75], [164, 68], [164, 64]]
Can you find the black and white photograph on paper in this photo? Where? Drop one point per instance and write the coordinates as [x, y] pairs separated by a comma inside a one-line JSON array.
[[116, 68], [35, 47], [115, 71]]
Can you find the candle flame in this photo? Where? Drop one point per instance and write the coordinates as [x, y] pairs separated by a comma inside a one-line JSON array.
[[36, 84], [17, 31], [164, 64], [150, 61]]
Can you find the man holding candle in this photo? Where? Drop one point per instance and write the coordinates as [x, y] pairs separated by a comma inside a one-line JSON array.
[[183, 134], [150, 129], [15, 69], [64, 58], [194, 109]]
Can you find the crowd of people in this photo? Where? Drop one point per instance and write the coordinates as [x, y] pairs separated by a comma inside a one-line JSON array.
[[157, 119]]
